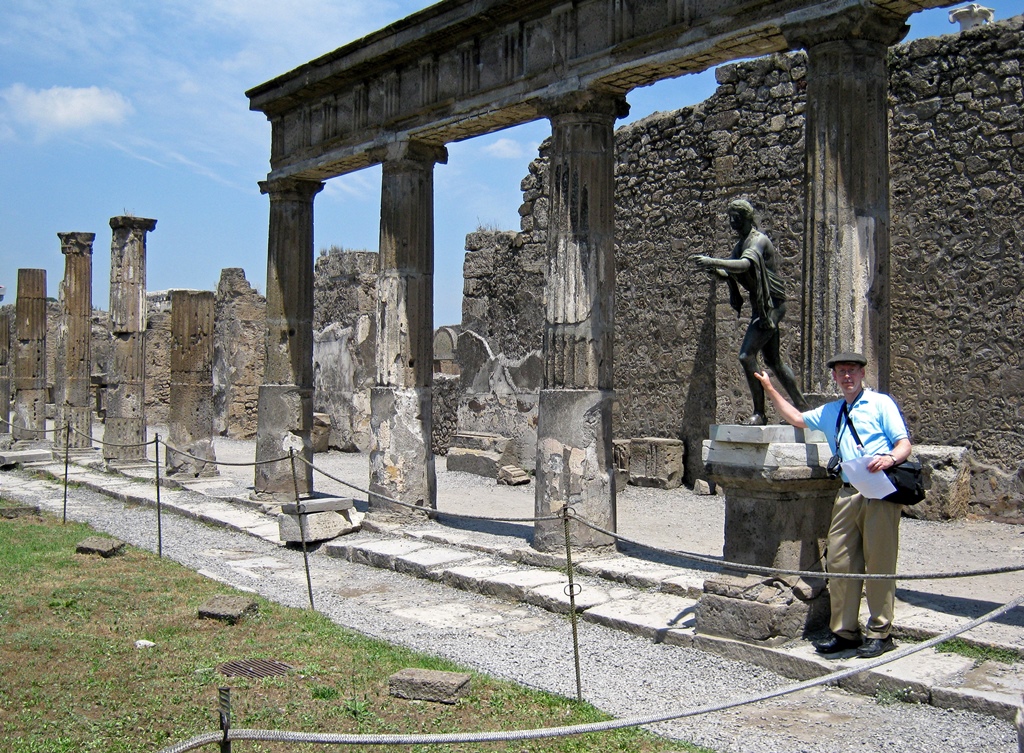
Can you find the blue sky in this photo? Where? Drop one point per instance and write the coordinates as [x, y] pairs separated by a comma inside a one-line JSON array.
[[111, 107]]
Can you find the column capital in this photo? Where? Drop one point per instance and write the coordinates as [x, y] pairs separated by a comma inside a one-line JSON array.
[[132, 223], [291, 189], [862, 23], [411, 150], [77, 244], [585, 102]]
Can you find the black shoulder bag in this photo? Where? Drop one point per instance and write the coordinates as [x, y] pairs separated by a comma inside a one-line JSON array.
[[906, 476]]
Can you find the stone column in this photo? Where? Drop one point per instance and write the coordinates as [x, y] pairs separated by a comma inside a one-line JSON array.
[[125, 423], [5, 373], [30, 357], [285, 410], [73, 380], [574, 434], [778, 505], [401, 458], [846, 242], [191, 409]]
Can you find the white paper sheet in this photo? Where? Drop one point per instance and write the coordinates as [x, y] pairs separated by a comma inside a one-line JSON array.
[[871, 485]]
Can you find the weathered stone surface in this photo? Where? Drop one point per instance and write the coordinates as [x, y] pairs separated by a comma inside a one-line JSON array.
[[104, 546], [656, 461], [320, 436], [752, 609], [72, 396], [229, 609], [319, 504], [428, 685], [947, 474], [510, 475], [240, 332], [401, 463], [29, 419], [318, 526], [190, 414]]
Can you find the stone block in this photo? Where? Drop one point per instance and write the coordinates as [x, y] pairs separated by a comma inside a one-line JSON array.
[[428, 685], [620, 456], [947, 483], [229, 609], [320, 435], [104, 546], [478, 462], [18, 511], [753, 609], [321, 504], [319, 526], [16, 457], [511, 475], [656, 461]]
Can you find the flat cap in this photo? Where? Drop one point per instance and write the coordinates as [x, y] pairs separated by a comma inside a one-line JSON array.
[[856, 358]]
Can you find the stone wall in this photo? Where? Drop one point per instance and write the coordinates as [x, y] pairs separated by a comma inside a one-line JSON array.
[[956, 161]]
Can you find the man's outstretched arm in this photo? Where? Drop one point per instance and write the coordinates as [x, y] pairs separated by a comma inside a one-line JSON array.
[[785, 408]]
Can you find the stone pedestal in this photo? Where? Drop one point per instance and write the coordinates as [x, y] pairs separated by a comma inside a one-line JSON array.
[[656, 461], [191, 409], [778, 506]]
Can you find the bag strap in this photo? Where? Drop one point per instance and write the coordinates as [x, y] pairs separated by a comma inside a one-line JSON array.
[[844, 413]]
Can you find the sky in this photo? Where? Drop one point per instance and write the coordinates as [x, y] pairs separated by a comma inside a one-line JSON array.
[[138, 107]]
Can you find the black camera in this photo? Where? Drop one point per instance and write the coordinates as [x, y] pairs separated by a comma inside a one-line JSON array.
[[834, 467]]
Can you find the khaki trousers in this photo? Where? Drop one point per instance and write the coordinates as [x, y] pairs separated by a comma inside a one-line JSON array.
[[864, 538]]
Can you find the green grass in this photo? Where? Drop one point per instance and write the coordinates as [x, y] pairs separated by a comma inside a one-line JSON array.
[[74, 681], [978, 653]]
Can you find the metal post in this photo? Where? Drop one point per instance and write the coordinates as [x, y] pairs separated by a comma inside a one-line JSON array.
[[571, 590], [159, 519], [67, 451], [300, 510], [224, 699]]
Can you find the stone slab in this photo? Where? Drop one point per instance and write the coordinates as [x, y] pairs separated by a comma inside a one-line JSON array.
[[632, 572], [318, 526], [17, 457], [428, 685], [424, 562], [229, 609], [478, 462], [655, 616], [18, 511], [323, 504], [763, 434], [383, 553], [554, 597], [104, 546], [515, 585]]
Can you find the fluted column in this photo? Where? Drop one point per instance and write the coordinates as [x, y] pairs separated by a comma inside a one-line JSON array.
[[29, 421], [846, 241], [124, 435], [73, 380], [285, 410], [191, 409], [5, 373], [574, 433], [401, 459]]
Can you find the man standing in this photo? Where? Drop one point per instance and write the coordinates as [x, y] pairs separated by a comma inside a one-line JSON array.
[[752, 266], [864, 535]]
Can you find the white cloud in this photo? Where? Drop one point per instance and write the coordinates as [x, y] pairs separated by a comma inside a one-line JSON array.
[[64, 108], [505, 148]]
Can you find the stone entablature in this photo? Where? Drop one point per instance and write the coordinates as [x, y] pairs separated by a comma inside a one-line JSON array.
[[465, 68]]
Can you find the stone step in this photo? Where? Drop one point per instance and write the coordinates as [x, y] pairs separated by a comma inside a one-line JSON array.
[[480, 440], [20, 457], [479, 462]]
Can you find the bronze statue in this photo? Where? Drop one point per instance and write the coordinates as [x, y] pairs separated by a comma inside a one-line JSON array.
[[752, 265]]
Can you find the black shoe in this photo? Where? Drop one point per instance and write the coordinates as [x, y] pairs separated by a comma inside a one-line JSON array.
[[835, 643], [875, 647]]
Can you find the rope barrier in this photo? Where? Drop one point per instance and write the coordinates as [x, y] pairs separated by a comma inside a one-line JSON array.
[[26, 428], [580, 729], [771, 571]]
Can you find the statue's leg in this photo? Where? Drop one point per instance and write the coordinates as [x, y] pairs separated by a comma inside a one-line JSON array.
[[773, 358], [753, 342]]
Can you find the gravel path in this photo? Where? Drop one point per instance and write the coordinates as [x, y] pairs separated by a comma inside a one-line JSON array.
[[622, 675]]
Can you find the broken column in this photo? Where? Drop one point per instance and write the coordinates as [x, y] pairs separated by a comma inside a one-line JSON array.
[[778, 506], [29, 421], [285, 411], [191, 409], [124, 435], [846, 241], [5, 373], [74, 344], [574, 433], [401, 457]]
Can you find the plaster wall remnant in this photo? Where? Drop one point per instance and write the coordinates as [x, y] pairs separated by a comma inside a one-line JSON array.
[[191, 392], [30, 388], [240, 325], [73, 378], [125, 433]]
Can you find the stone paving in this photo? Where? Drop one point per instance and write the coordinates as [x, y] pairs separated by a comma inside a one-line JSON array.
[[639, 592]]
